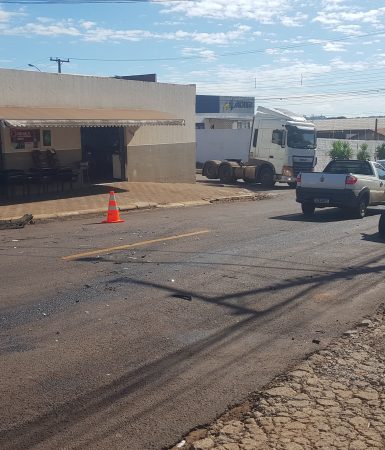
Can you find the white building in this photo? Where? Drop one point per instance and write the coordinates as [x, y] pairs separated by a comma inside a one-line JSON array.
[[124, 129]]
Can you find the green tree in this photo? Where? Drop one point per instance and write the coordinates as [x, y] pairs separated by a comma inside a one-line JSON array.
[[380, 151], [363, 153], [341, 150]]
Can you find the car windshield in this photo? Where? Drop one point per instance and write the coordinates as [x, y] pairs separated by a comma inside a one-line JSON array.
[[348, 166], [301, 137]]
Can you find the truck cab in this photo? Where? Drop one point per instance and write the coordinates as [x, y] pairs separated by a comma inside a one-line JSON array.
[[282, 145], [284, 142]]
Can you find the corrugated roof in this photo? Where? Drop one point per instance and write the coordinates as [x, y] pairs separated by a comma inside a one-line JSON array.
[[360, 123], [71, 117]]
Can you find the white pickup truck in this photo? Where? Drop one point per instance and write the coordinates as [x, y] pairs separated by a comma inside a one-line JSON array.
[[350, 184]]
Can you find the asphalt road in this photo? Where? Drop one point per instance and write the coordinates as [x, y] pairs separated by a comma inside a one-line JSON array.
[[131, 347]]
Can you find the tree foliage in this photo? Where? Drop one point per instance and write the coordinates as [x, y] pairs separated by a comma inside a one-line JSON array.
[[363, 153], [341, 150], [380, 151]]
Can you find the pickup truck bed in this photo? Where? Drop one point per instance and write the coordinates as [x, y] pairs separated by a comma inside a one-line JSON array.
[[350, 184]]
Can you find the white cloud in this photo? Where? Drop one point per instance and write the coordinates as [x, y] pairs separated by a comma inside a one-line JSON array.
[[87, 24], [6, 16], [258, 10], [90, 32], [44, 29], [345, 17], [334, 47], [297, 20], [203, 53]]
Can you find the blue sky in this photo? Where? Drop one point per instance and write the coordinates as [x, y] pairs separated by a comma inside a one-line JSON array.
[[315, 57]]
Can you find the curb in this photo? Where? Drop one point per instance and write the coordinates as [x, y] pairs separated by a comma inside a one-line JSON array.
[[139, 206]]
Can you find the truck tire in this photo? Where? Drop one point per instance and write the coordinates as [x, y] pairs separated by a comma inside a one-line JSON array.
[[360, 210], [308, 209], [266, 177], [381, 225], [226, 174], [210, 170]]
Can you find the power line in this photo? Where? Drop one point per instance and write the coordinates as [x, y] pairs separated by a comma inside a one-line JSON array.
[[72, 2], [244, 52], [59, 62]]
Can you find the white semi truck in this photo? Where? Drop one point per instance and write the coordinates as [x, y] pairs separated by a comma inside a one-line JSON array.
[[282, 145]]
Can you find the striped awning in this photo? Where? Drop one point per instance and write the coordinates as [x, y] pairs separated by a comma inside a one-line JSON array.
[[15, 116]]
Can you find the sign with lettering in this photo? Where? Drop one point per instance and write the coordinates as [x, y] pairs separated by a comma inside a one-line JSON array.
[[25, 138], [243, 105]]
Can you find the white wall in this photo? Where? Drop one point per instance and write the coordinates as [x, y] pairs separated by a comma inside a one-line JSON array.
[[325, 145], [156, 153], [222, 144], [26, 88]]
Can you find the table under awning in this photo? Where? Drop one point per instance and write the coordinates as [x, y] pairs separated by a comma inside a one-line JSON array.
[[15, 116]]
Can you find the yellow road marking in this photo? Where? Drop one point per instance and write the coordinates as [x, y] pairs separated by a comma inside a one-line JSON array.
[[136, 244]]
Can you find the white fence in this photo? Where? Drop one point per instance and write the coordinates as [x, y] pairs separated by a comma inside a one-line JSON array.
[[227, 143], [325, 145]]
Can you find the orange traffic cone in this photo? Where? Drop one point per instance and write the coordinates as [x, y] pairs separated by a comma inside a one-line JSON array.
[[113, 215]]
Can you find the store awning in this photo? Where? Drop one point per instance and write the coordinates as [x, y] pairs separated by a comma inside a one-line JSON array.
[[13, 116]]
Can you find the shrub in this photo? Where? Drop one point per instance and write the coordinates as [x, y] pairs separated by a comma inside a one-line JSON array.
[[380, 151], [341, 150], [363, 153]]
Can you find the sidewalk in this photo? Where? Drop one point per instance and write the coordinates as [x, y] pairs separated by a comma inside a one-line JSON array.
[[333, 400], [94, 199]]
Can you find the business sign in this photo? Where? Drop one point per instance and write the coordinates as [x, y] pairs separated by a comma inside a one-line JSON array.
[[239, 105], [225, 104], [24, 138]]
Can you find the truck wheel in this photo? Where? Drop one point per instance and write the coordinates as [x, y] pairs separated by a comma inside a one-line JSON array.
[[381, 225], [308, 209], [210, 170], [360, 210], [225, 173], [267, 178]]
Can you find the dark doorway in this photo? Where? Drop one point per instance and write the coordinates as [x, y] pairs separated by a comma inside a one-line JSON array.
[[103, 149], [1, 154]]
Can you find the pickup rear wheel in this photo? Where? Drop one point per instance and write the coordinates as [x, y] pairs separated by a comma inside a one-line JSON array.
[[360, 210], [308, 209], [381, 225]]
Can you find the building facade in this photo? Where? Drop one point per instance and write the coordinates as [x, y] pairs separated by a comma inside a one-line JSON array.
[[122, 129], [223, 127]]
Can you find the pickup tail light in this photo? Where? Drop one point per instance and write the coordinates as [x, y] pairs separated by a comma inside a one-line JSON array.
[[299, 179], [351, 179]]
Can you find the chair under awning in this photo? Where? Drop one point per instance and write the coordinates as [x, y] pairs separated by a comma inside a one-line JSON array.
[[15, 116]]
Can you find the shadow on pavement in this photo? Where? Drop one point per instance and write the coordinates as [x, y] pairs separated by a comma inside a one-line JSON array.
[[375, 237], [325, 215], [83, 191], [159, 372]]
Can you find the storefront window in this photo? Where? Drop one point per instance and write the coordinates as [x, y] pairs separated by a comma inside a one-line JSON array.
[[47, 138], [24, 139]]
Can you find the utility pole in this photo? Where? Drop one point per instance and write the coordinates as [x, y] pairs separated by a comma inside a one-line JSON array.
[[59, 62]]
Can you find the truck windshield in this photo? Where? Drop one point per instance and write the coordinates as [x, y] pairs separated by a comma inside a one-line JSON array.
[[301, 137]]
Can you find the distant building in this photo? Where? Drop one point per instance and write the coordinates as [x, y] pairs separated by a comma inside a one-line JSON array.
[[224, 112], [361, 128]]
